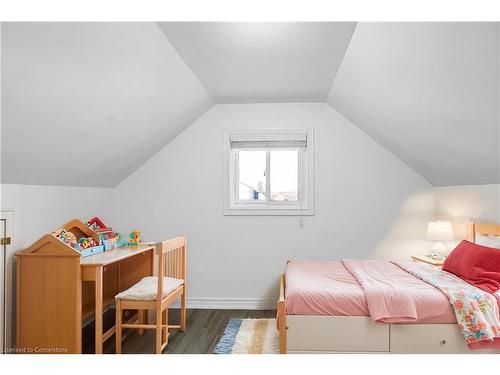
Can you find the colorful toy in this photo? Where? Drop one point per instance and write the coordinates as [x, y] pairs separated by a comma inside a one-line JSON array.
[[86, 242], [67, 237], [97, 225], [134, 237], [109, 240], [120, 241]]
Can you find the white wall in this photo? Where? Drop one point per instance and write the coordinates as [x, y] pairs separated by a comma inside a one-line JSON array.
[[368, 204], [42, 209], [468, 203]]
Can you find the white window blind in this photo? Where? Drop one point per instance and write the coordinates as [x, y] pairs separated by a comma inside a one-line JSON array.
[[269, 141]]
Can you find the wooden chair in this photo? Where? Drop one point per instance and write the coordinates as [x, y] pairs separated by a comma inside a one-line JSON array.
[[157, 293]]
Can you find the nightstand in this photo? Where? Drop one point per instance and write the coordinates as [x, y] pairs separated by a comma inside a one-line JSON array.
[[426, 259]]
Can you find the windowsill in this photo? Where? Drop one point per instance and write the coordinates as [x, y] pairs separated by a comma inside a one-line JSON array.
[[266, 212]]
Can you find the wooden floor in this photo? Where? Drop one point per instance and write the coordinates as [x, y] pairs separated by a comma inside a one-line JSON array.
[[204, 329]]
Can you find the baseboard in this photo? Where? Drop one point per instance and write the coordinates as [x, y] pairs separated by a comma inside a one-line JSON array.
[[228, 303]]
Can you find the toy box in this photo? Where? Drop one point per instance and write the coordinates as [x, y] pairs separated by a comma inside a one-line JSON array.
[[92, 251]]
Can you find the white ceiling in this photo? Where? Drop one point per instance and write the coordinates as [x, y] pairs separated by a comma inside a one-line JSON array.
[[85, 104], [428, 92], [262, 62]]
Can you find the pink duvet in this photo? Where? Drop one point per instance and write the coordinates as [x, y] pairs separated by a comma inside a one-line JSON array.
[[315, 287], [333, 288]]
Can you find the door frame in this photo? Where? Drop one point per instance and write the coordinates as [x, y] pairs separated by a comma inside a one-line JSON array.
[[6, 230]]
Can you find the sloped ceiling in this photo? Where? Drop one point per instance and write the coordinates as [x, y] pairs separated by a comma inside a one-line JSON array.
[[262, 62], [85, 104], [428, 92]]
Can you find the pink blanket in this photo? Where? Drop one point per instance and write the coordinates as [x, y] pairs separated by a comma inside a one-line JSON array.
[[319, 287], [322, 287], [395, 296]]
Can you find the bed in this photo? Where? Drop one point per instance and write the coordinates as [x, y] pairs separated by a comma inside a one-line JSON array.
[[325, 307]]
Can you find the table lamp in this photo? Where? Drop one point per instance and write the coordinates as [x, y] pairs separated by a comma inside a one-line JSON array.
[[439, 231]]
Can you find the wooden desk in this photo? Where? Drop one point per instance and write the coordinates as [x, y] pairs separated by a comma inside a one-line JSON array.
[[56, 289], [111, 272]]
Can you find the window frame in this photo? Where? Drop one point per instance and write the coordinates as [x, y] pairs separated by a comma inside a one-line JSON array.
[[305, 204]]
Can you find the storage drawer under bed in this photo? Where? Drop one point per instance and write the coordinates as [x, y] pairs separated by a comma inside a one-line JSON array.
[[358, 334], [336, 334], [427, 339]]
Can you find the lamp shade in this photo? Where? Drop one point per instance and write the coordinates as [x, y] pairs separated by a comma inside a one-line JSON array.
[[439, 231]]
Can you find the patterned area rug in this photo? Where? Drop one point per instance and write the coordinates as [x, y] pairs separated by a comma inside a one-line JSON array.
[[249, 336]]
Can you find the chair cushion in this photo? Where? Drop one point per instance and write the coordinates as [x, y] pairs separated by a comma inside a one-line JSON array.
[[146, 289]]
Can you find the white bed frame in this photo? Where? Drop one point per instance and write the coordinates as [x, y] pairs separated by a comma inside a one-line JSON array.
[[358, 334]]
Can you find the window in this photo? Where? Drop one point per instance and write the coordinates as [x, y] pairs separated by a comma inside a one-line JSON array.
[[269, 173]]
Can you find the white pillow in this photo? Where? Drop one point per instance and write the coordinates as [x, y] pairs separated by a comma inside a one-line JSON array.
[[488, 240]]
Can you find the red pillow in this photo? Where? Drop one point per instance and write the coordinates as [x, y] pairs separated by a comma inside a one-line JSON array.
[[476, 264]]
